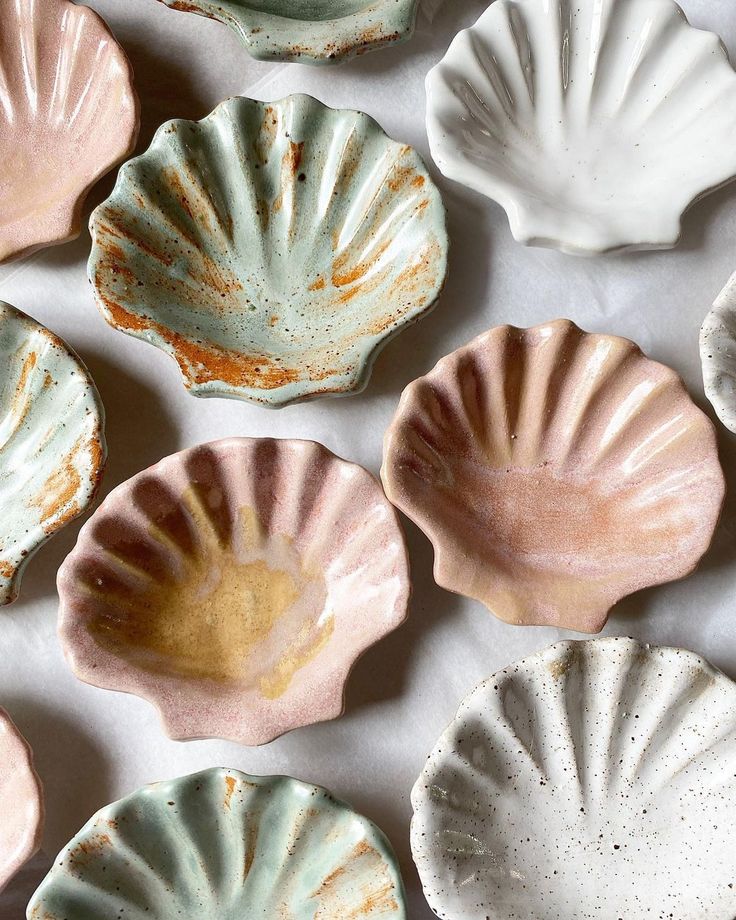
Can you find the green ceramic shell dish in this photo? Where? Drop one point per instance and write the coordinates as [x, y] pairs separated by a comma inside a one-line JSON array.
[[310, 31], [222, 844], [271, 248]]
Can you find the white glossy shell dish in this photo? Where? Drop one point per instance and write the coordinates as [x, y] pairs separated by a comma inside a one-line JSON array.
[[718, 355], [52, 447], [594, 125], [592, 780]]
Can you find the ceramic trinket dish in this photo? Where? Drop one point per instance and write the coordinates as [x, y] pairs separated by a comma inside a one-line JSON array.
[[555, 472], [593, 779], [225, 844], [594, 125], [718, 355], [310, 31], [234, 585], [52, 446], [21, 801], [272, 248], [68, 114]]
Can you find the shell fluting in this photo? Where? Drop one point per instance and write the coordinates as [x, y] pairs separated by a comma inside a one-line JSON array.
[[68, 114], [718, 355], [271, 248], [595, 125], [555, 472], [225, 844], [52, 446], [234, 585], [592, 780]]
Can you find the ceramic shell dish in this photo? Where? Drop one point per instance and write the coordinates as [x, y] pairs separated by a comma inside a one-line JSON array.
[[68, 114], [593, 124], [310, 31], [555, 472], [234, 585], [224, 844], [21, 801], [718, 355], [52, 448], [271, 248], [593, 780]]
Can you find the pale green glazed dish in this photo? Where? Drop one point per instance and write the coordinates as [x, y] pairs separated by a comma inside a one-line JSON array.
[[310, 31], [222, 844], [271, 248]]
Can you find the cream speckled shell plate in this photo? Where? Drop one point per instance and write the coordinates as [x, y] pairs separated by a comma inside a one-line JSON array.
[[718, 355], [593, 781], [223, 844], [52, 446], [271, 248]]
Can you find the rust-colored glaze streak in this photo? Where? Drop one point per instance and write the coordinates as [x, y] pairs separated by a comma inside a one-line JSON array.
[[230, 790]]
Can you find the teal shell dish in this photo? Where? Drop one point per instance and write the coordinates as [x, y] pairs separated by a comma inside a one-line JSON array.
[[222, 844], [271, 248], [310, 31]]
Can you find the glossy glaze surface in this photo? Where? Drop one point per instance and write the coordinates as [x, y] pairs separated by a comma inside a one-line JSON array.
[[68, 114], [21, 801], [718, 355], [555, 472], [229, 845], [52, 447], [271, 248], [234, 585], [594, 125], [592, 780], [310, 31]]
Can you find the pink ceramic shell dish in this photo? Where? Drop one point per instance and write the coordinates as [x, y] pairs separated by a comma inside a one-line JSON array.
[[21, 801], [68, 114], [234, 585], [555, 472]]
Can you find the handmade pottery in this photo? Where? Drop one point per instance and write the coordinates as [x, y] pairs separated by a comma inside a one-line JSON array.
[[271, 248], [225, 844], [555, 472], [68, 114], [21, 801], [594, 125], [234, 585], [718, 355], [594, 779], [52, 447], [310, 31]]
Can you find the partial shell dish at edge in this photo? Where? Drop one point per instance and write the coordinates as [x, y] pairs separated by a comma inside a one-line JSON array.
[[310, 31], [225, 844], [21, 801], [234, 585], [594, 125], [555, 471], [272, 248], [52, 444], [68, 114], [592, 781], [718, 355]]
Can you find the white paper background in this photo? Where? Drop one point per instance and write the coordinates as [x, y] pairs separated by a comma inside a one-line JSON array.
[[93, 746]]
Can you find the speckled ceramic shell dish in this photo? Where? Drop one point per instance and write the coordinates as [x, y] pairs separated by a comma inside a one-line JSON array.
[[592, 781], [52, 448], [555, 472], [224, 844], [271, 248], [718, 355], [310, 31], [234, 585], [21, 801], [594, 124], [68, 114]]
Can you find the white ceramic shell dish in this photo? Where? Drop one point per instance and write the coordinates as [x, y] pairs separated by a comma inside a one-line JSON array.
[[594, 125], [52, 446], [718, 355], [595, 779]]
